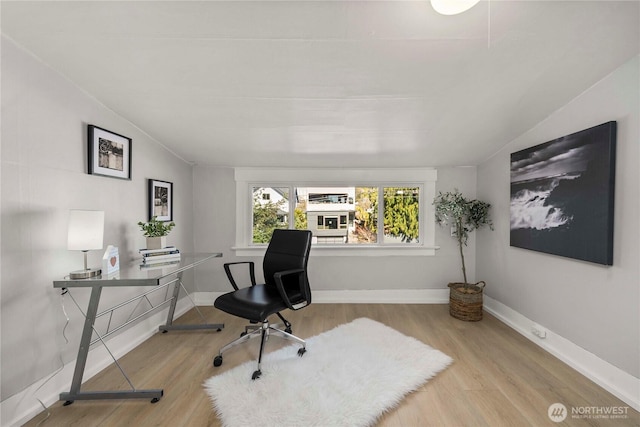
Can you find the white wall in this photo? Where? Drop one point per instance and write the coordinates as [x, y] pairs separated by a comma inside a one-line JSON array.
[[44, 140], [593, 306], [215, 218]]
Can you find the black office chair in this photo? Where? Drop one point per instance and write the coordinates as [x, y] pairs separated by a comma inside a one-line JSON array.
[[286, 286]]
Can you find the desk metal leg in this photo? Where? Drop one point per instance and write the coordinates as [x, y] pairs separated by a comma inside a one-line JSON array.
[[81, 361], [169, 326]]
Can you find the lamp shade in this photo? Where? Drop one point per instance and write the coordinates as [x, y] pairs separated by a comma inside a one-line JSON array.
[[86, 230], [452, 7]]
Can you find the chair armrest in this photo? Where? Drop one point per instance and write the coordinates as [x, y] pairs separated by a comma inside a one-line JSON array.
[[252, 273], [303, 289]]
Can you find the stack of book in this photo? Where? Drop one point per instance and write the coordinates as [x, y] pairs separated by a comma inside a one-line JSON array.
[[167, 255]]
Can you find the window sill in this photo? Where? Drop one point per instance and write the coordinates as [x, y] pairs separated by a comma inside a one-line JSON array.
[[331, 250]]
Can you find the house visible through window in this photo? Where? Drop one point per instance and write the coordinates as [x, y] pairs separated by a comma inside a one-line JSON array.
[[340, 215], [348, 216], [270, 211]]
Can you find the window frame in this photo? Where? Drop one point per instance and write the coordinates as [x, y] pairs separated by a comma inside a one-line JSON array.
[[424, 178]]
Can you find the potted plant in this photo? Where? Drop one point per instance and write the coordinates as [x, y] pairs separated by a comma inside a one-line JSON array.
[[464, 216], [156, 232]]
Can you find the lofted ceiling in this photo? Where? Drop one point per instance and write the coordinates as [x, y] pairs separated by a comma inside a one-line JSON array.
[[329, 83]]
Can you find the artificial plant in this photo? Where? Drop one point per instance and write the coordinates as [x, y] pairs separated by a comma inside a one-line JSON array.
[[156, 228], [463, 215]]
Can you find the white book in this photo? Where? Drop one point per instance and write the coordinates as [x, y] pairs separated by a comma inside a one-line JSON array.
[[156, 251], [161, 258]]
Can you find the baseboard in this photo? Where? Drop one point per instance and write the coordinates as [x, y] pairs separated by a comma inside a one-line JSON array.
[[386, 296], [624, 386], [21, 407]]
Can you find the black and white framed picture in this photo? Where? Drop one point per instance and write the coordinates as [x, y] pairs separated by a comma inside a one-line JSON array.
[[562, 195], [109, 153], [160, 200]]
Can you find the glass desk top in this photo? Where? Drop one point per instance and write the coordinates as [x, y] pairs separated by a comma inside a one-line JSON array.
[[135, 273]]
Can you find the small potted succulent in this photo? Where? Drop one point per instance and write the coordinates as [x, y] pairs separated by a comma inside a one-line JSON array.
[[464, 216], [156, 232]]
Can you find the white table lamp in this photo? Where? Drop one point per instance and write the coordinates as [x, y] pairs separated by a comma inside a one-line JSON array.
[[86, 230]]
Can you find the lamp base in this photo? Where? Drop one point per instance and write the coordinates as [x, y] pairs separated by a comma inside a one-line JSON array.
[[85, 274]]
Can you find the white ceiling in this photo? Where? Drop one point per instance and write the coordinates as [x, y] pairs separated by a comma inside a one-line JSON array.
[[329, 83]]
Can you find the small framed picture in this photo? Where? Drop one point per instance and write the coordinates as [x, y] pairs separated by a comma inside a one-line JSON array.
[[109, 153], [160, 200], [110, 260]]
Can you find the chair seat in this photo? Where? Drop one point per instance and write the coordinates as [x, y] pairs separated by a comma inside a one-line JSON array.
[[254, 303]]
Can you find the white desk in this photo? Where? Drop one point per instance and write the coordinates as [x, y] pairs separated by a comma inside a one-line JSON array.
[[131, 275]]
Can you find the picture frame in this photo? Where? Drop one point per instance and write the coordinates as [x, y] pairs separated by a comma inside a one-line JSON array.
[[562, 195], [160, 200], [109, 153], [110, 261]]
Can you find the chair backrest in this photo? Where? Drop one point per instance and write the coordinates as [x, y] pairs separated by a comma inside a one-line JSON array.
[[288, 250]]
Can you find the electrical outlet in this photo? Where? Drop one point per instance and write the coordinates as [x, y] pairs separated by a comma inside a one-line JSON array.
[[539, 331]]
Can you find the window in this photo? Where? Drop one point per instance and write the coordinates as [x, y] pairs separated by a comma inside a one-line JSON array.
[[328, 208], [270, 211], [331, 223], [381, 209], [401, 214]]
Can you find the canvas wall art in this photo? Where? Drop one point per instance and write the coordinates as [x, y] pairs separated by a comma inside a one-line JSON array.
[[562, 195]]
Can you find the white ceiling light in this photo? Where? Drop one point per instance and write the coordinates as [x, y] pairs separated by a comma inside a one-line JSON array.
[[452, 7]]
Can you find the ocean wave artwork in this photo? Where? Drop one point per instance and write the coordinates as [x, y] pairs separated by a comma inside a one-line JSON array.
[[529, 206], [562, 195]]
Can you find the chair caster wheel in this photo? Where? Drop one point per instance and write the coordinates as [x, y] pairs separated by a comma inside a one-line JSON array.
[[217, 361], [219, 329], [67, 403], [288, 330], [243, 334], [256, 374], [302, 351], [155, 400]]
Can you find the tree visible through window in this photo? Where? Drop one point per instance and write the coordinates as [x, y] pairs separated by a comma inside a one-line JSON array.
[[366, 215], [381, 211], [401, 214], [270, 211], [339, 215]]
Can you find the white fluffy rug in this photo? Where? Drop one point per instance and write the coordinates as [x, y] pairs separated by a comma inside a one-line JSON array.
[[349, 376]]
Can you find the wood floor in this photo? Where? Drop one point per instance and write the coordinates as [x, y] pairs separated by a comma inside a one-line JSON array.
[[498, 377]]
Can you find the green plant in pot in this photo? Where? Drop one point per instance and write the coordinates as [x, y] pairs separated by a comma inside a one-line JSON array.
[[156, 231], [464, 216]]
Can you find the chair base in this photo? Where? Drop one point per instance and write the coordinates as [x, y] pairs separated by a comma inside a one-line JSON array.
[[265, 330], [254, 326]]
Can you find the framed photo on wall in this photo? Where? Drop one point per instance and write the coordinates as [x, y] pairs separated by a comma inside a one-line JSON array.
[[161, 200], [109, 153], [562, 195]]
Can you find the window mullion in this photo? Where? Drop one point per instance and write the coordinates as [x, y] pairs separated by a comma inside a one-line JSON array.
[[292, 206], [421, 214], [380, 234]]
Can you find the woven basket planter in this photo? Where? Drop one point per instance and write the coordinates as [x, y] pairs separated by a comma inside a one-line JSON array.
[[465, 303]]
